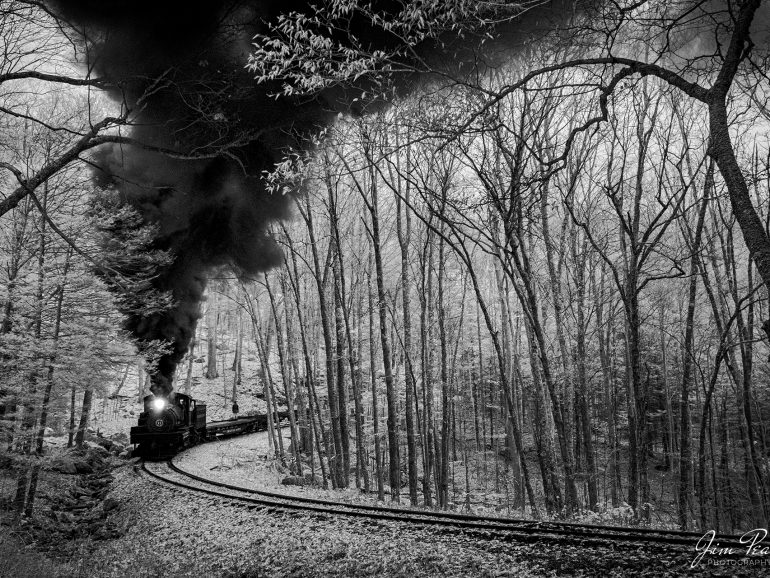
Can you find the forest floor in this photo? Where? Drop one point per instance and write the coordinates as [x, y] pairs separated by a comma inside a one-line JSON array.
[[249, 461], [159, 531], [165, 532]]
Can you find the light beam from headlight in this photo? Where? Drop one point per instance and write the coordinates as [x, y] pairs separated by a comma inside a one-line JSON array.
[[158, 404]]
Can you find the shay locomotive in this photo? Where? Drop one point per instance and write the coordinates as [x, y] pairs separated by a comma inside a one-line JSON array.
[[170, 424]]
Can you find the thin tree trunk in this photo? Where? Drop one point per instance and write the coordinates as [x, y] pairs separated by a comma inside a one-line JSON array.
[[426, 355], [604, 336], [442, 454], [582, 380], [309, 377], [264, 358], [71, 432], [357, 386], [85, 414], [190, 361], [211, 328], [394, 463], [373, 372], [30, 399], [48, 388], [567, 409], [285, 378], [335, 460], [342, 391], [685, 453], [404, 233]]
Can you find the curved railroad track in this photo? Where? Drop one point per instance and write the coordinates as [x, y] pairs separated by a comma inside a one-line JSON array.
[[507, 529]]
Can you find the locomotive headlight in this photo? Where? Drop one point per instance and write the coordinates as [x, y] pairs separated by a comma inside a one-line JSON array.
[[158, 404]]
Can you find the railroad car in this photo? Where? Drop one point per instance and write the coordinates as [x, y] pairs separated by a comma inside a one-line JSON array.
[[170, 424]]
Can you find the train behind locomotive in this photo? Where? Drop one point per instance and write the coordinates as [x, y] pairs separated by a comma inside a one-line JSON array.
[[170, 424]]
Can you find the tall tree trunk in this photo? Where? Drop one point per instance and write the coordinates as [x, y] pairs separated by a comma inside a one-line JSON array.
[[510, 406], [342, 390], [211, 328], [636, 409], [368, 192], [237, 362], [285, 378], [568, 394], [71, 430], [276, 420], [335, 460], [604, 337], [309, 374], [85, 414], [190, 361], [442, 455], [546, 453], [403, 229], [685, 453], [44, 408], [582, 380], [670, 445], [264, 362], [426, 356], [340, 288], [526, 292], [9, 399], [361, 459], [30, 398], [394, 462], [375, 396]]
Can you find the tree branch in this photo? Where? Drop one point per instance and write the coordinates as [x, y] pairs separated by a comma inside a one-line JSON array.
[[35, 75]]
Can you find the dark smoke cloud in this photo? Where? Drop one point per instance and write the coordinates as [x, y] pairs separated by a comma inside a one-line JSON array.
[[209, 212]]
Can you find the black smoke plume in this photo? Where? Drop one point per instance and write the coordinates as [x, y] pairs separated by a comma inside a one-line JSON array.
[[178, 65]]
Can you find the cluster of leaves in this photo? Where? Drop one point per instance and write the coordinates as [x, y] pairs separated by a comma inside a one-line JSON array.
[[288, 174], [129, 263], [342, 42], [129, 259]]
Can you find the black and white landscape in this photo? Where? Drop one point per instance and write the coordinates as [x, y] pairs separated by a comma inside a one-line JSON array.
[[384, 288]]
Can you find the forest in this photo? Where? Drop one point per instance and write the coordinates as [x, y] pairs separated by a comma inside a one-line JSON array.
[[523, 271]]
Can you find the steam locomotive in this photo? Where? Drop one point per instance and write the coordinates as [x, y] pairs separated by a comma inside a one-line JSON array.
[[170, 424]]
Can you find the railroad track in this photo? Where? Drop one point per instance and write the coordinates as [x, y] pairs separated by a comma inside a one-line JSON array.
[[506, 529]]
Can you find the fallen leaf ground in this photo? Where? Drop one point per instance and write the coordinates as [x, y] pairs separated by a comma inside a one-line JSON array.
[[179, 534], [172, 533]]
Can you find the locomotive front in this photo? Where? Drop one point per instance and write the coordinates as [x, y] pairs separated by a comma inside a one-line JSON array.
[[163, 417], [167, 425]]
